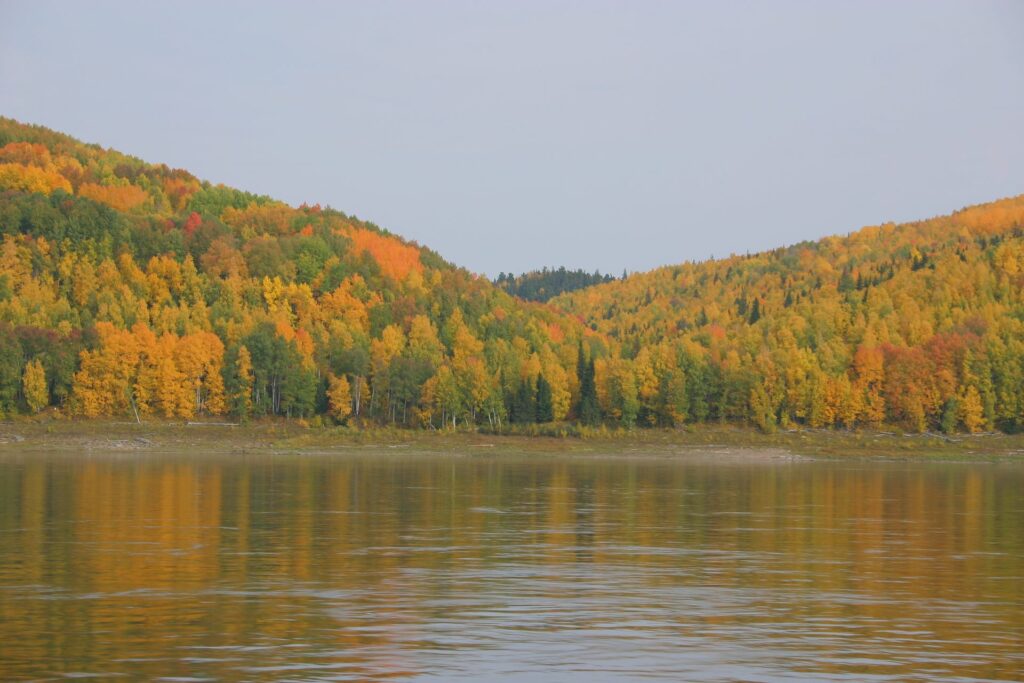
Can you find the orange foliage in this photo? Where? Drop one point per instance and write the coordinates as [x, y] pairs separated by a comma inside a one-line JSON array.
[[284, 330], [991, 219], [396, 259], [304, 343], [120, 197], [178, 190], [25, 153]]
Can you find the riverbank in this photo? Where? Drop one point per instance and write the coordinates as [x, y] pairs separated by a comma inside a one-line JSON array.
[[293, 436]]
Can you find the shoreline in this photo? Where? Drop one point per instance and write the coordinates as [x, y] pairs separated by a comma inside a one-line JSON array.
[[290, 436]]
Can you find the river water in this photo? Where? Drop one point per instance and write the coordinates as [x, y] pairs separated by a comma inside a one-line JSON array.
[[396, 565]]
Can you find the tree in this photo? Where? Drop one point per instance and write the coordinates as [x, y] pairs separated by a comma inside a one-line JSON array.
[[558, 379], [298, 393], [618, 384], [199, 357], [339, 398], [383, 352], [524, 404], [589, 411], [628, 397], [10, 370], [545, 411], [238, 381], [950, 416], [761, 409], [105, 383], [281, 383], [33, 383], [869, 367], [160, 386], [970, 410], [442, 395], [700, 387]]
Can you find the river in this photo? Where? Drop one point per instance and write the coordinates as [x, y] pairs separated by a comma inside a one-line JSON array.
[[395, 565]]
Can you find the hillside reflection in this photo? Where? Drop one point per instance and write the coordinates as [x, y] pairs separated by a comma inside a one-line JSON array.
[[394, 566]]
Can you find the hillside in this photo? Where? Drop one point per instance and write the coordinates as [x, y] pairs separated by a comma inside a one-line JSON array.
[[917, 324], [128, 288], [131, 289]]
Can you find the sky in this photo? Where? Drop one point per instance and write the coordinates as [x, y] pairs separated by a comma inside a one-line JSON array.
[[513, 135]]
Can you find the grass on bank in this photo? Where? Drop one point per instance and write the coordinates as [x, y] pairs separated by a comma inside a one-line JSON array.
[[51, 433]]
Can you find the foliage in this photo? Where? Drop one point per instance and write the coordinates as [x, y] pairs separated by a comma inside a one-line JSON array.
[[33, 383], [918, 325], [128, 288]]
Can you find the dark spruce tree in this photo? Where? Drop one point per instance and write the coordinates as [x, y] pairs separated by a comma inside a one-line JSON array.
[[588, 411], [524, 404], [545, 407]]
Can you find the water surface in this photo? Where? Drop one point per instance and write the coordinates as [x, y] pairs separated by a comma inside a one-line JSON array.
[[403, 566]]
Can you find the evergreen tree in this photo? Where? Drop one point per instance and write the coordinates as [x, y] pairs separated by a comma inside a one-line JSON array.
[[10, 370], [589, 412], [238, 381], [524, 404], [846, 281], [950, 416], [581, 373], [545, 407]]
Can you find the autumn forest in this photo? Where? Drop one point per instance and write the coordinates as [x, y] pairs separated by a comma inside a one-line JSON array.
[[134, 290]]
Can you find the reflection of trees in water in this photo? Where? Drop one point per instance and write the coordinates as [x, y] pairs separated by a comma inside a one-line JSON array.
[[376, 564]]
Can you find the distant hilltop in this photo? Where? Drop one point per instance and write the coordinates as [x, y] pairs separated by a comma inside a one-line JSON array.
[[546, 284]]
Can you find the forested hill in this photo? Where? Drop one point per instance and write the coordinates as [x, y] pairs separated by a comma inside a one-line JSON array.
[[128, 288], [545, 284], [134, 290], [917, 324]]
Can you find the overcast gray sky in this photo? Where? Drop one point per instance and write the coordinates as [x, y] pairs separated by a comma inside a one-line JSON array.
[[513, 135]]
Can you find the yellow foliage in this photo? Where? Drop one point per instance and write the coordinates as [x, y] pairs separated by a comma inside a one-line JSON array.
[[339, 398], [267, 219], [31, 179], [137, 371], [34, 387], [972, 415]]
